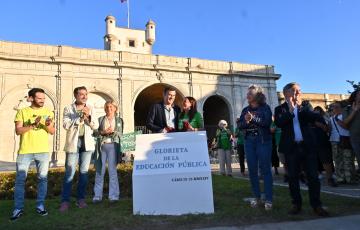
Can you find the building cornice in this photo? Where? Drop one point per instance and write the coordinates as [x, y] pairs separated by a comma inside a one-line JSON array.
[[28, 52]]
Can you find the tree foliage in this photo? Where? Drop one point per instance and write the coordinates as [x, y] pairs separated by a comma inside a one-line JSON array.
[[356, 86]]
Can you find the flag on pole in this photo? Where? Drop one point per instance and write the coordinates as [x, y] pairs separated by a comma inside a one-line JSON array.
[[128, 12]]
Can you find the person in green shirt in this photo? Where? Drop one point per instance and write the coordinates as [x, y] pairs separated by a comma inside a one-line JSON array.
[[223, 140], [239, 134], [190, 119]]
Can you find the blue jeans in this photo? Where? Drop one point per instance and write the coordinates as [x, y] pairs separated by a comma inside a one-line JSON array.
[[82, 158], [258, 154], [23, 162]]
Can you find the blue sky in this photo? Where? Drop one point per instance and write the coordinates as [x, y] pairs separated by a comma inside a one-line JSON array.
[[313, 42]]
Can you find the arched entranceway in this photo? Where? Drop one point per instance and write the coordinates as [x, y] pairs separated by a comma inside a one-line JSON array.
[[97, 101], [215, 109], [145, 99]]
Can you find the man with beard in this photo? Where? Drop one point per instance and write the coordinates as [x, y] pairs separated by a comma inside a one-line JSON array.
[[79, 123], [33, 124]]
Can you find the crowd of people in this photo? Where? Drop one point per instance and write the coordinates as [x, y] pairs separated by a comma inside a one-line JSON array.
[[35, 123], [300, 137], [306, 140]]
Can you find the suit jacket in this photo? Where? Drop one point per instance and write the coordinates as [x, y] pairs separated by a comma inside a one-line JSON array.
[[284, 120], [156, 120]]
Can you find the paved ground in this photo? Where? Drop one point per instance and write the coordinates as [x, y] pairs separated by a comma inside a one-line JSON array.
[[7, 166], [342, 190], [336, 223], [11, 166]]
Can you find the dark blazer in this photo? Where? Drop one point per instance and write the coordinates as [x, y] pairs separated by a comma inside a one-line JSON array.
[[262, 122], [156, 120], [284, 120]]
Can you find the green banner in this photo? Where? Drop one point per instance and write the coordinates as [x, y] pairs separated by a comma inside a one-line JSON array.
[[128, 141]]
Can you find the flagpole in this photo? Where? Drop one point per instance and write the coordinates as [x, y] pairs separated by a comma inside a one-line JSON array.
[[128, 13]]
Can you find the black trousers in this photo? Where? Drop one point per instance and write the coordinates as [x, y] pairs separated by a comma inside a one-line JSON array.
[[302, 158], [275, 161], [241, 153]]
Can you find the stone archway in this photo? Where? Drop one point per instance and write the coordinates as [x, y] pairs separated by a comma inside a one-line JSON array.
[[148, 96], [215, 108], [97, 101]]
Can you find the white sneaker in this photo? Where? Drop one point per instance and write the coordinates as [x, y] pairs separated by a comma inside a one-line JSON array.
[[17, 213], [113, 200], [97, 199], [255, 203], [268, 206], [41, 210]]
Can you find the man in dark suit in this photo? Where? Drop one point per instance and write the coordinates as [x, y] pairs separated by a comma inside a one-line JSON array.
[[163, 116], [298, 144]]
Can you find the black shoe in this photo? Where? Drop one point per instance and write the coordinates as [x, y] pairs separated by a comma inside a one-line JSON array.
[[332, 182], [276, 171], [353, 182], [358, 171], [286, 178], [295, 210], [302, 178], [41, 212], [321, 212], [113, 201], [16, 214]]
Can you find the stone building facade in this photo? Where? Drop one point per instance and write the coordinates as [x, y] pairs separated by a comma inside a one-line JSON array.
[[134, 80], [129, 40], [318, 99]]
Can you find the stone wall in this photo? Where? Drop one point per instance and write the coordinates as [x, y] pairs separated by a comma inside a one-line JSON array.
[[318, 99], [120, 76]]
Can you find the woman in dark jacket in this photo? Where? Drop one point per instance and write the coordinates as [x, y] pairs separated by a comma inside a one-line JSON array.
[[255, 120], [323, 146]]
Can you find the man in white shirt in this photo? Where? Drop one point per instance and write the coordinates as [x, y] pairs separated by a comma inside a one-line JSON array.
[[163, 116], [79, 123], [297, 143]]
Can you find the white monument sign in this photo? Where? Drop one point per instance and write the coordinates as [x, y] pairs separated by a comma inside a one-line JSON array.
[[172, 174]]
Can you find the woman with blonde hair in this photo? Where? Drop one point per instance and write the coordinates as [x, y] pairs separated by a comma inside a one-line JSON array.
[[108, 150], [255, 120]]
